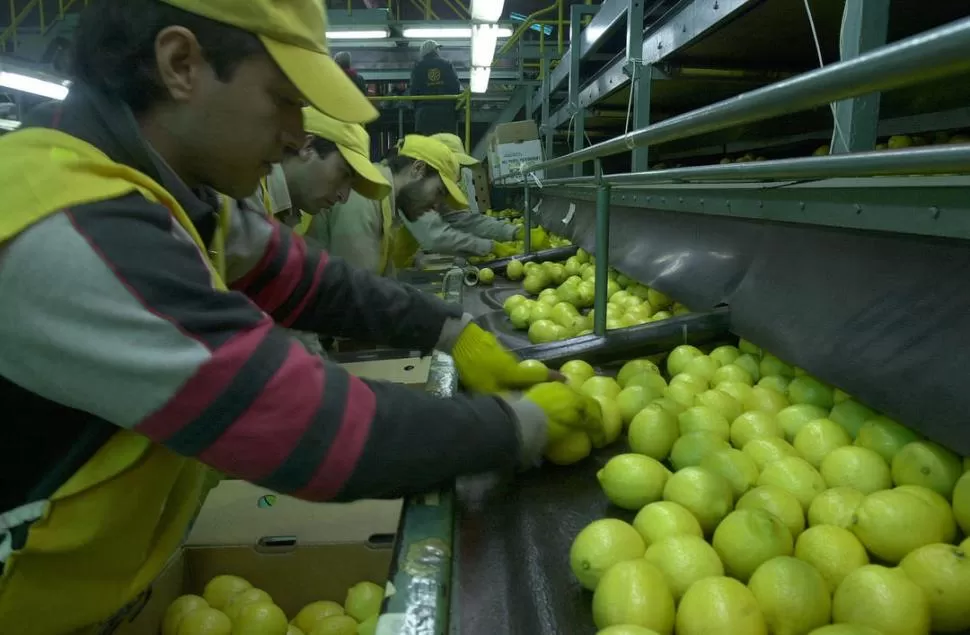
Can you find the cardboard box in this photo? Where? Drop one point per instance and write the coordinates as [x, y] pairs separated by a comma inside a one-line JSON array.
[[482, 188], [513, 145]]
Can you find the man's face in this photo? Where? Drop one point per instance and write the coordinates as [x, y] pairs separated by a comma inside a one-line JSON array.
[[318, 183], [228, 133], [423, 192]]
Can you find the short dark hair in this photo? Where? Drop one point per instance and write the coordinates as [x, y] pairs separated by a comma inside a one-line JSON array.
[[322, 146], [114, 49], [398, 162]]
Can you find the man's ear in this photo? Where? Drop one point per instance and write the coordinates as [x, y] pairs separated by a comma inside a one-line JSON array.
[[419, 169], [306, 151], [180, 61]]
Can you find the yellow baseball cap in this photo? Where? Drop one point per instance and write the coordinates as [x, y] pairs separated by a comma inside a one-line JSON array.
[[294, 33], [457, 147], [442, 159], [353, 142]]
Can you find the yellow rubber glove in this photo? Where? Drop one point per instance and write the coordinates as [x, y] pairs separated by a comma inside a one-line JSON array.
[[504, 250], [485, 366], [567, 411], [540, 239]]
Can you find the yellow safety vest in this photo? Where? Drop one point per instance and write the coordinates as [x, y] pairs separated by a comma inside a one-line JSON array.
[[404, 247], [302, 227], [110, 529]]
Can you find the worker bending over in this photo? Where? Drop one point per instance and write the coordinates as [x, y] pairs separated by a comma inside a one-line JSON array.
[[139, 313]]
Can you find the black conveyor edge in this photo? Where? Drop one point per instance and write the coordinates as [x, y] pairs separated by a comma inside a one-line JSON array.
[[555, 254]]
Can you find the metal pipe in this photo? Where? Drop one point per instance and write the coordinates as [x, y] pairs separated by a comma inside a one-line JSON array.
[[416, 97], [560, 28], [602, 258], [921, 58], [468, 121], [527, 226], [522, 28]]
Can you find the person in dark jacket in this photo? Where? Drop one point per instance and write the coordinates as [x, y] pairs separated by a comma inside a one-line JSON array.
[[433, 75], [343, 61]]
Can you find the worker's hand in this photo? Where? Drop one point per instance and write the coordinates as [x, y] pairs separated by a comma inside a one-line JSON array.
[[539, 239], [504, 250], [485, 366], [567, 411]]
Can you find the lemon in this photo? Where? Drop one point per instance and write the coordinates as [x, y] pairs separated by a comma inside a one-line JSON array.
[[817, 439], [178, 609], [721, 402], [835, 506], [205, 621], [600, 545], [670, 405], [834, 551], [335, 625], [662, 519], [612, 421], [626, 629], [792, 594], [885, 599], [961, 502], [765, 400], [749, 348], [725, 355], [851, 415], [690, 449], [363, 600], [631, 401], [313, 612], [944, 513], [678, 358], [927, 464], [704, 419], [767, 450], [293, 630], [634, 592], [651, 382], [891, 523], [737, 468], [809, 390], [236, 603], [575, 446], [684, 559], [792, 418], [600, 386], [794, 475], [775, 382], [576, 370], [746, 538], [943, 572], [222, 587], [754, 425], [653, 432], [719, 606], [635, 367], [856, 467], [885, 437], [260, 618], [631, 481], [779, 502], [739, 390], [750, 365], [368, 626], [845, 629], [703, 493]]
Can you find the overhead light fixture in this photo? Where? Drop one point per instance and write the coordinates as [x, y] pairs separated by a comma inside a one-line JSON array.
[[360, 34], [9, 124], [484, 38], [487, 10], [479, 79], [32, 85], [450, 33]]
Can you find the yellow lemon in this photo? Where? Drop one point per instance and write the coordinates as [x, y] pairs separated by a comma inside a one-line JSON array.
[[703, 493], [293, 630], [690, 449], [765, 400], [767, 450], [754, 425], [856, 467], [205, 621], [626, 629], [368, 626], [961, 502], [885, 599], [684, 560], [793, 418], [662, 519], [313, 612], [719, 606], [600, 386], [335, 625], [851, 415], [363, 600], [740, 390], [631, 481], [704, 419], [779, 502], [721, 402], [737, 468], [260, 618], [631, 401], [792, 594], [885, 437], [600, 545], [222, 587], [612, 421], [653, 432], [928, 465], [845, 629], [943, 572], [891, 523], [944, 513], [834, 551], [818, 438], [796, 476], [633, 368], [634, 592], [241, 599], [577, 370], [835, 506], [574, 447], [179, 607], [749, 537]]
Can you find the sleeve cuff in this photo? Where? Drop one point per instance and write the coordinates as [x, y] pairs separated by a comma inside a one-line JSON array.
[[450, 332], [530, 426]]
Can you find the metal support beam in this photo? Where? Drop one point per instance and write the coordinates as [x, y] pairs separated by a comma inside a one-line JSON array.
[[641, 76], [527, 238], [602, 255], [576, 13], [864, 28], [548, 130]]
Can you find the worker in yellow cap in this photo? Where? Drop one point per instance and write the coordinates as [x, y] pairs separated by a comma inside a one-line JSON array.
[[139, 315]]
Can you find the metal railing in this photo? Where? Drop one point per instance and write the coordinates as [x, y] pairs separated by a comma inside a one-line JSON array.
[[463, 100]]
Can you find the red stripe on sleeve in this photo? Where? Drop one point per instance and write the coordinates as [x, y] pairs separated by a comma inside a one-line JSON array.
[[262, 439], [347, 446], [311, 292], [209, 381], [274, 245], [270, 298]]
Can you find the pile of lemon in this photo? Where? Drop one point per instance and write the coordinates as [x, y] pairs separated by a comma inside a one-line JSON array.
[[230, 605], [770, 502]]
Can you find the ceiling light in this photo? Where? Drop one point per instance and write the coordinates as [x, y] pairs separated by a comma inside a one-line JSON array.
[[487, 10], [441, 33], [28, 84], [363, 34], [484, 37], [9, 124], [479, 79]]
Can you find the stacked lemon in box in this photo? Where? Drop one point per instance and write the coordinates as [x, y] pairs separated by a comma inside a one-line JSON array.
[[769, 502]]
